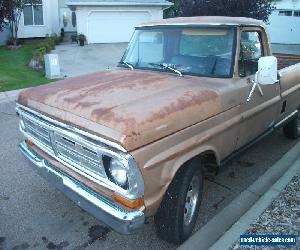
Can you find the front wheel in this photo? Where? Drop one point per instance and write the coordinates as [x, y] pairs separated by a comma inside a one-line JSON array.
[[177, 215], [292, 129]]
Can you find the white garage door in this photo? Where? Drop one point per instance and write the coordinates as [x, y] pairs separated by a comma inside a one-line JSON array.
[[113, 26], [285, 28]]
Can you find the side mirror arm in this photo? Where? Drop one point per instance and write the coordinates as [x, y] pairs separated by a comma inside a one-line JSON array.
[[255, 85]]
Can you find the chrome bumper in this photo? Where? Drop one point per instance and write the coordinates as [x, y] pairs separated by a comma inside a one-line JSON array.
[[120, 220]]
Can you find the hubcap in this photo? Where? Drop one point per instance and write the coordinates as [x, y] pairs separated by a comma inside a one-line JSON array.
[[191, 200]]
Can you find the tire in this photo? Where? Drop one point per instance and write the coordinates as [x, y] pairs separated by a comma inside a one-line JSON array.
[[292, 129], [178, 212]]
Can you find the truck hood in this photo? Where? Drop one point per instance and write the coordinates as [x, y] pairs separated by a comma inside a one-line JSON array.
[[133, 108]]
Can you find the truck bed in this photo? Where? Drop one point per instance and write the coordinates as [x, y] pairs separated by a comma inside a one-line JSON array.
[[286, 60]]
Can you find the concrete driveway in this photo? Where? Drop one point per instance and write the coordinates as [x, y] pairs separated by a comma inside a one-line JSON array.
[[76, 60]]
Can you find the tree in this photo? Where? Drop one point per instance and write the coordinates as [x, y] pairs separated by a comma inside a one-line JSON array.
[[10, 14], [173, 11], [2, 15], [259, 9]]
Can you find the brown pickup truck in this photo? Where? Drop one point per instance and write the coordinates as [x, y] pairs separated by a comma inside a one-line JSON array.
[[132, 143]]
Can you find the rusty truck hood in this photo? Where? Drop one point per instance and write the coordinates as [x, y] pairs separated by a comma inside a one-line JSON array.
[[133, 108]]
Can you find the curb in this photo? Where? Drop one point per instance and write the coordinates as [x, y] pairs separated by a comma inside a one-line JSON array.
[[233, 234], [232, 220], [9, 96]]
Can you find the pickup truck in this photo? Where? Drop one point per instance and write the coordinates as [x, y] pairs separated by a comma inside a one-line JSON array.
[[131, 143]]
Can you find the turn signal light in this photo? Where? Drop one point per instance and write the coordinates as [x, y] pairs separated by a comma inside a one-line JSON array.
[[129, 203], [29, 142]]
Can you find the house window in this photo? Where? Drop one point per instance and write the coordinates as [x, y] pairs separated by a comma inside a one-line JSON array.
[[33, 13], [297, 13], [285, 13]]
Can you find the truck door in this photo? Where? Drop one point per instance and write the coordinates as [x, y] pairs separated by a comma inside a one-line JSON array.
[[259, 111]]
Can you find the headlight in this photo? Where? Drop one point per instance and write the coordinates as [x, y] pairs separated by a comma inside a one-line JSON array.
[[118, 173]]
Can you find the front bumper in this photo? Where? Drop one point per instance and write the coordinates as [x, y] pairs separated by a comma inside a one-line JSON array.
[[119, 219]]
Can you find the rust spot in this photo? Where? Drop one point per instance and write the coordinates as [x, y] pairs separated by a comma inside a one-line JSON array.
[[86, 104], [189, 99], [84, 92], [109, 116]]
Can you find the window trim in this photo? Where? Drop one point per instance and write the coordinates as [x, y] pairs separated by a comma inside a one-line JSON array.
[[229, 26], [33, 15], [263, 40]]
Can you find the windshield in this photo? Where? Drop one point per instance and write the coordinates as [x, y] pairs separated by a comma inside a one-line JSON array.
[[204, 51]]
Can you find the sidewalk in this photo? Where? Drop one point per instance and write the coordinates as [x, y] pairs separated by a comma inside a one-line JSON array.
[[223, 231], [281, 217], [276, 212], [9, 95]]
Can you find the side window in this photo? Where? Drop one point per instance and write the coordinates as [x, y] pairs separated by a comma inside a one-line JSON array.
[[251, 51]]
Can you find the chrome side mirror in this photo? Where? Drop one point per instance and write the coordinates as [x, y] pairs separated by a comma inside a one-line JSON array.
[[266, 74], [267, 70]]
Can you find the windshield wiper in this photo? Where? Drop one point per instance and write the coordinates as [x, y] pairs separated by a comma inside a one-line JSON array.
[[167, 66], [127, 64]]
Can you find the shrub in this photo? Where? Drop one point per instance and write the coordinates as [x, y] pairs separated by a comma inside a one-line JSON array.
[[81, 37], [37, 61], [46, 46], [39, 53], [49, 43], [56, 38]]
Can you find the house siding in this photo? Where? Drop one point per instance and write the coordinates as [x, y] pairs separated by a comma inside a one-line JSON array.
[[83, 13], [51, 22], [55, 10], [285, 29]]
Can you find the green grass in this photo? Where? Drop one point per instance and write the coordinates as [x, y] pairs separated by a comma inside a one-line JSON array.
[[14, 70]]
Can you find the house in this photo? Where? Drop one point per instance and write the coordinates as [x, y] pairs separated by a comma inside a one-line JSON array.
[[284, 24], [104, 21]]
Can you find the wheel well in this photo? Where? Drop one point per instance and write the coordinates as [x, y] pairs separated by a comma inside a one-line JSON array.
[[208, 161]]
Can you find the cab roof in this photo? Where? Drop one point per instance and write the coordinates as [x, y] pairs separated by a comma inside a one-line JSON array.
[[203, 20]]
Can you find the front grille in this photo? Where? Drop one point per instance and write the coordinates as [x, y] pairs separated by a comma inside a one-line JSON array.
[[83, 152], [59, 143], [75, 153], [38, 132]]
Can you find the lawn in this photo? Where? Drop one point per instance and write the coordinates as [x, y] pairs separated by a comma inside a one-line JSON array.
[[14, 70]]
